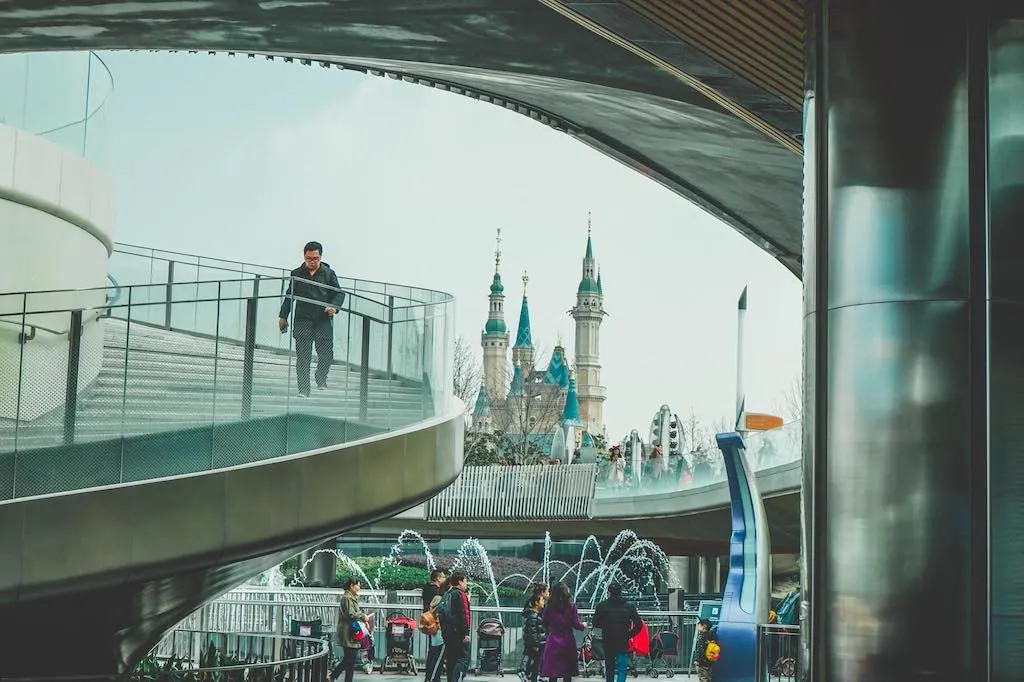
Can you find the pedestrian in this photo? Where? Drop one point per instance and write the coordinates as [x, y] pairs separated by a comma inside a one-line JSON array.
[[429, 625], [455, 620], [706, 634], [317, 294], [619, 622], [533, 637], [560, 618], [350, 630]]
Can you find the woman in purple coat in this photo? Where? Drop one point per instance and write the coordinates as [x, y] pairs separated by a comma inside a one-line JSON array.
[[560, 618]]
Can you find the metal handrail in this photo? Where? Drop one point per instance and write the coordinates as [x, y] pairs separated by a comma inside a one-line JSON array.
[[348, 292], [24, 338], [227, 266], [321, 653]]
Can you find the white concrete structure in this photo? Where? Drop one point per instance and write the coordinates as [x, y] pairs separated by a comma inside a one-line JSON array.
[[57, 228]]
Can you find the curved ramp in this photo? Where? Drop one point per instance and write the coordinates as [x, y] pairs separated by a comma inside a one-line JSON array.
[[179, 461]]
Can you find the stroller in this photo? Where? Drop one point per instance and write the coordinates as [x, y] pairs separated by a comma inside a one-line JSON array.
[[665, 650], [398, 631], [592, 655], [489, 636]]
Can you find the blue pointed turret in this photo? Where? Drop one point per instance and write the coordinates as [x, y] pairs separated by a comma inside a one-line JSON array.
[[571, 413], [524, 336], [482, 406], [516, 389], [558, 369]]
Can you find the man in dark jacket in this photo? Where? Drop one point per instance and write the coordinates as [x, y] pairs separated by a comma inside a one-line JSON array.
[[432, 590], [619, 622], [455, 622], [316, 291]]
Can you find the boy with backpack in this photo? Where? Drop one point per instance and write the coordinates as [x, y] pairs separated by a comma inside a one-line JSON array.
[[706, 651]]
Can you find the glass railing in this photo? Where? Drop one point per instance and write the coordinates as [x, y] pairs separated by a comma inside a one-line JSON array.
[[765, 450], [133, 382], [60, 96]]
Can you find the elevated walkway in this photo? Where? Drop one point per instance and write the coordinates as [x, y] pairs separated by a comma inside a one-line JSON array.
[[577, 500], [177, 460]]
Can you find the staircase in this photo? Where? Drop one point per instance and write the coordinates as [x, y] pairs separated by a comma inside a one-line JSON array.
[[178, 381]]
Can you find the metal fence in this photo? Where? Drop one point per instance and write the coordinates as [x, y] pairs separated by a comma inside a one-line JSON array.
[[271, 612], [539, 492], [778, 652]]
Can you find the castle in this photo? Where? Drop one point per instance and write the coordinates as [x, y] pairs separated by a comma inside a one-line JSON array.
[[536, 401]]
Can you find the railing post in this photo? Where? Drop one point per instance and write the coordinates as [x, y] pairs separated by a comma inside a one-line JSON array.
[[364, 371], [391, 331], [170, 294], [71, 386], [247, 361]]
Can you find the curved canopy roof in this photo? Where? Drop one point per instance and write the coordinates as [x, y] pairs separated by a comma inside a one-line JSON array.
[[629, 77]]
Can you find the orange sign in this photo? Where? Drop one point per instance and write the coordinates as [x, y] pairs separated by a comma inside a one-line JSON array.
[[755, 421]]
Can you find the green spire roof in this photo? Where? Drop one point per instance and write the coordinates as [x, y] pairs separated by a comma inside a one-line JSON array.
[[599, 289], [496, 286], [588, 286], [558, 370], [496, 327], [516, 389], [571, 413], [590, 248], [482, 407], [524, 339]]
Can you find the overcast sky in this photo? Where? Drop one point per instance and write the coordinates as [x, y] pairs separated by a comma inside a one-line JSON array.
[[249, 160]]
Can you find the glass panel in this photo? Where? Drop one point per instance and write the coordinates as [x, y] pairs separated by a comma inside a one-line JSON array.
[[764, 450], [157, 399]]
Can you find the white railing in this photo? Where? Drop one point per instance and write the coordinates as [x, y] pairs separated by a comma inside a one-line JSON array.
[[541, 492], [269, 611]]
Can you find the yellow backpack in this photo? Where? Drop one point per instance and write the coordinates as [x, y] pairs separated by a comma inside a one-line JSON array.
[[713, 651]]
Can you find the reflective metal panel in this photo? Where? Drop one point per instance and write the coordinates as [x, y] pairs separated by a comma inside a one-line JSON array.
[[1006, 211], [896, 406]]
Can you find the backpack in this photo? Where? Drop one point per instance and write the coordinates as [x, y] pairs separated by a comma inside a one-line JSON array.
[[429, 624], [444, 611], [713, 651]]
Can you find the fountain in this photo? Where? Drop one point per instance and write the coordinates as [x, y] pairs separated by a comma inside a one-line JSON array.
[[635, 563]]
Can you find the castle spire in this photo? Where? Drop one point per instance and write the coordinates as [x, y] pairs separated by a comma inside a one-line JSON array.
[[497, 253], [590, 246], [494, 339], [524, 335]]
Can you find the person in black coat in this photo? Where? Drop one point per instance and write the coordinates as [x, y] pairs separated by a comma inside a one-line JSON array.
[[317, 295], [619, 622], [435, 647]]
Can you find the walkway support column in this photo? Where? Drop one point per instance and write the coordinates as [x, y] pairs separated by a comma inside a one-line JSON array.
[[914, 338]]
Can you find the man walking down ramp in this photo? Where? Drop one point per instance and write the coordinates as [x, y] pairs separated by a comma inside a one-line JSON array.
[[312, 323]]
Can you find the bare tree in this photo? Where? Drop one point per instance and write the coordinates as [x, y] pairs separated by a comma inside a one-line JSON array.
[[466, 372], [791, 405]]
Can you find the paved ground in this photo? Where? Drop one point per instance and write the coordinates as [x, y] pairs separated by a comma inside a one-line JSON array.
[[509, 677]]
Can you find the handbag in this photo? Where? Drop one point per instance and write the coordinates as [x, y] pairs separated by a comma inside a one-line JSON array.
[[581, 638]]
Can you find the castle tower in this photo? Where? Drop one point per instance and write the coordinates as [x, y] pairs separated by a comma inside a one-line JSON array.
[[494, 339], [588, 314], [522, 352]]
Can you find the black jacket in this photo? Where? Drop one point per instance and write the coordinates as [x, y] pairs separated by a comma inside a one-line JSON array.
[[533, 630], [302, 286], [619, 622], [430, 590]]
